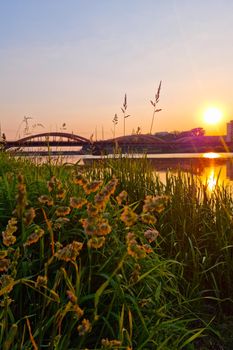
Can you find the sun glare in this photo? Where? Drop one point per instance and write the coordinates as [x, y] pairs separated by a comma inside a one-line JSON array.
[[212, 115]]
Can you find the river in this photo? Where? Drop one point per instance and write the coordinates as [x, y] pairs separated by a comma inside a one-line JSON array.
[[212, 168]]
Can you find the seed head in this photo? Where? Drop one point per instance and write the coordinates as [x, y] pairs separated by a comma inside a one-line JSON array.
[[85, 327], [77, 202], [44, 199], [62, 211], [151, 235], [96, 242], [128, 216]]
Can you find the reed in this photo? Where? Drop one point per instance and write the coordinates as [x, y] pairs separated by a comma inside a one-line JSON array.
[[106, 256]]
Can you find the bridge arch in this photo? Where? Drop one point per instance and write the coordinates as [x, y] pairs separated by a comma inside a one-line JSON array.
[[69, 136]]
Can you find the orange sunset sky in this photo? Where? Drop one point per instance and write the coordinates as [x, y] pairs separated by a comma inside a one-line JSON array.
[[73, 61]]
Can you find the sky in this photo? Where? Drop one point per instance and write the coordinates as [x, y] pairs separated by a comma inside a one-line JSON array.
[[73, 61]]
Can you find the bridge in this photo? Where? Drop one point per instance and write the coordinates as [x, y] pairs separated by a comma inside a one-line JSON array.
[[125, 144], [132, 143], [48, 139]]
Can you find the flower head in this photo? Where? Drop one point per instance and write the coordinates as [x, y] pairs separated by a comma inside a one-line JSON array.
[[85, 327], [44, 199], [41, 281], [70, 251], [77, 202], [122, 197], [154, 204], [29, 216], [92, 186], [62, 211], [151, 235], [8, 234], [34, 237], [128, 216], [148, 218], [96, 242]]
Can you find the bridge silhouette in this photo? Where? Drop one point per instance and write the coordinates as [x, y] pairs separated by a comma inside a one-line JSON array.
[[126, 144], [51, 139], [64, 139], [132, 143]]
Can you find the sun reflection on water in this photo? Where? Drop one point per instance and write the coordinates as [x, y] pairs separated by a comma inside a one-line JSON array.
[[211, 180], [211, 155]]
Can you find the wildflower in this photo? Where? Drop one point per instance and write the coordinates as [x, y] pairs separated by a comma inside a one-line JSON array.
[[110, 343], [79, 312], [79, 179], [92, 187], [136, 251], [77, 202], [85, 327], [101, 200], [4, 265], [128, 216], [92, 210], [145, 302], [96, 226], [122, 197], [71, 296], [29, 216], [8, 234], [133, 248], [59, 222], [6, 302], [44, 199], [111, 185], [103, 196], [41, 281], [154, 203], [147, 248], [58, 245], [54, 184], [6, 283], [21, 196], [96, 242], [151, 235], [104, 228], [62, 220], [61, 193], [69, 252], [3, 254], [34, 237], [148, 218], [89, 225], [62, 211]]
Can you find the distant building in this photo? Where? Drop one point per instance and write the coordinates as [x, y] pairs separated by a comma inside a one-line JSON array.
[[162, 133], [229, 137]]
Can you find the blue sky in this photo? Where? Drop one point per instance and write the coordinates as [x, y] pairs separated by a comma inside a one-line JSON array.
[[72, 61]]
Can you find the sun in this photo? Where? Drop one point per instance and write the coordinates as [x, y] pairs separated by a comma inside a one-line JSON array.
[[212, 115]]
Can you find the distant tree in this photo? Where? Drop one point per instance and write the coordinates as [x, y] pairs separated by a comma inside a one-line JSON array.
[[198, 132]]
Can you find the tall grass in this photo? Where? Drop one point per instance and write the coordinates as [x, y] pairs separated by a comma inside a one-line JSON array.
[[106, 256]]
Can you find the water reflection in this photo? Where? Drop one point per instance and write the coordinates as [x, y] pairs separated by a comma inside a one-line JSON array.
[[211, 155], [213, 168]]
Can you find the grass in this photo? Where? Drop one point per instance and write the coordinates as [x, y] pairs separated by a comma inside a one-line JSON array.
[[107, 257]]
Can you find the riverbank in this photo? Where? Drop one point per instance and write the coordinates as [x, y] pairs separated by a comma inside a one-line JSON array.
[[109, 257]]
